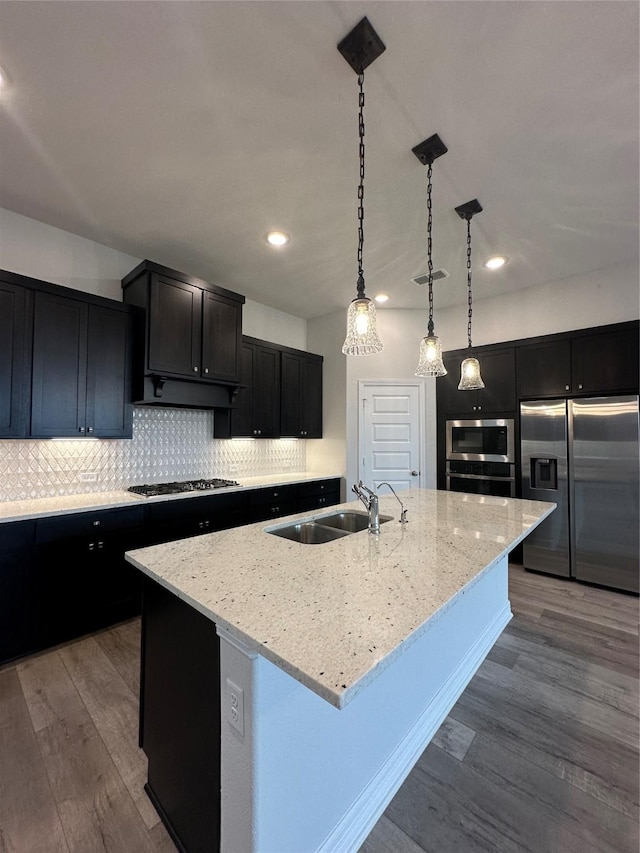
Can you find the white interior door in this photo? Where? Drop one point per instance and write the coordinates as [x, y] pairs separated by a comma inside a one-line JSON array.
[[391, 434]]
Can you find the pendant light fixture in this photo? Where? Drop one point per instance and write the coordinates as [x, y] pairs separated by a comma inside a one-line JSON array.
[[430, 361], [360, 48], [470, 379]]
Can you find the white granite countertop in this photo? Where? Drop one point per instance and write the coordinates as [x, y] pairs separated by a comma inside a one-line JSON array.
[[334, 615], [65, 504]]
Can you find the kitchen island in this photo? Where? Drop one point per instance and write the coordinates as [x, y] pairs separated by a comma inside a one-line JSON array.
[[337, 662]]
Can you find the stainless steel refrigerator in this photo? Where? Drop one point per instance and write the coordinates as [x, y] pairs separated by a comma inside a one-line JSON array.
[[584, 455]]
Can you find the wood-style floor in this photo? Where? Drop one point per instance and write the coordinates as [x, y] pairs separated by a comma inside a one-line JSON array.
[[539, 754]]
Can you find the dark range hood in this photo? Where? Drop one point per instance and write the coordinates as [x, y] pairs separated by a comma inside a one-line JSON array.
[[187, 339], [156, 390]]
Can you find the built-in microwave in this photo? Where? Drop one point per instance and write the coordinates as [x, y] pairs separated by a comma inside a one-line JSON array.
[[486, 440]]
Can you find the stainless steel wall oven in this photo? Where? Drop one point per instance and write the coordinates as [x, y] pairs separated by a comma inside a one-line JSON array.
[[480, 456]]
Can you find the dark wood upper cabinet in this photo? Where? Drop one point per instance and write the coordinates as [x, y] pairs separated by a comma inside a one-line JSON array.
[[257, 413], [14, 360], [81, 369], [497, 368], [544, 369], [301, 396], [280, 394], [606, 362], [175, 327], [192, 330], [598, 361]]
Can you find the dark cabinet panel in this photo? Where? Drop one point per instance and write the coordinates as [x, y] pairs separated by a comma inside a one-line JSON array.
[[544, 369], [14, 360], [592, 362], [281, 394], [109, 410], [221, 336], [81, 369], [318, 494], [258, 410], [606, 362], [19, 608], [497, 368], [272, 502], [180, 717], [177, 519], [301, 396], [59, 381], [175, 327]]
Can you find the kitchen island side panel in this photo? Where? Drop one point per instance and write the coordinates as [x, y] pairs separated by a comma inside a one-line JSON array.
[[305, 776]]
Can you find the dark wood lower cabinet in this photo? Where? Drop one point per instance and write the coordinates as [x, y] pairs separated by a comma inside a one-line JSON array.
[[180, 718], [66, 575]]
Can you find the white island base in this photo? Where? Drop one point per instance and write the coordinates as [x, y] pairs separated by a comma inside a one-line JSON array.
[[306, 776]]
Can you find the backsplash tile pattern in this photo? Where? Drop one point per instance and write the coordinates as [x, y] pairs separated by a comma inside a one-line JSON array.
[[167, 444]]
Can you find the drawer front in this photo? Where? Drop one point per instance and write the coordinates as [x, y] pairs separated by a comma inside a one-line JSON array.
[[16, 534], [273, 495], [319, 501], [88, 523], [319, 487], [200, 507]]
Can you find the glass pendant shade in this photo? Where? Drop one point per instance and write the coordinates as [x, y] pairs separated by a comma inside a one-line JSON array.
[[470, 379], [430, 362], [362, 337]]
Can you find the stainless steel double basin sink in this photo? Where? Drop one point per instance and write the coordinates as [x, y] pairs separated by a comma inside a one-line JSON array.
[[327, 528]]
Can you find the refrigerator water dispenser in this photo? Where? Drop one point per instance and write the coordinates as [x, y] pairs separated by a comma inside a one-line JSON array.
[[544, 473]]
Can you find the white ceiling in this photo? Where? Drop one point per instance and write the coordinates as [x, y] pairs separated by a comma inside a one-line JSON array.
[[183, 131]]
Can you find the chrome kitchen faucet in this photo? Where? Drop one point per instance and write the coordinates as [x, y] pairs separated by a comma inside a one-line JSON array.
[[370, 499]]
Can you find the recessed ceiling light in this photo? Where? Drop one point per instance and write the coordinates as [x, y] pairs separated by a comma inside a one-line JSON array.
[[381, 297], [277, 238], [495, 262]]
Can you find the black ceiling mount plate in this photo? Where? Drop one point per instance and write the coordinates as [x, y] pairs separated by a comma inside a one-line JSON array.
[[362, 46], [466, 211], [430, 149]]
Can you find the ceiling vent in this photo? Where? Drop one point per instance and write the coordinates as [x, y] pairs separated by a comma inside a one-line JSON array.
[[421, 280]]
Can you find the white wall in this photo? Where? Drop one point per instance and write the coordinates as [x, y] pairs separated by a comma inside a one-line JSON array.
[[37, 250], [269, 324], [41, 251], [596, 299]]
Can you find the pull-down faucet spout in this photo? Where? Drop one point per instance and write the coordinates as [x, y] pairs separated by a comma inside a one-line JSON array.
[[370, 500]]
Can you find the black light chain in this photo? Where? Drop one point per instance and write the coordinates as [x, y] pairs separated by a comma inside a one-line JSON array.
[[429, 246], [469, 277], [361, 186]]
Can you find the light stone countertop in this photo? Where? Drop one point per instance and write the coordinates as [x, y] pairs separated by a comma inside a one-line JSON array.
[[66, 504], [334, 615]]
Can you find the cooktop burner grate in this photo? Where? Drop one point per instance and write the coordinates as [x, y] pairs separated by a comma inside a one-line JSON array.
[[153, 489]]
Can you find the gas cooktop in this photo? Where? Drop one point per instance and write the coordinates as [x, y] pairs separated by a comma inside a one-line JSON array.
[[149, 491]]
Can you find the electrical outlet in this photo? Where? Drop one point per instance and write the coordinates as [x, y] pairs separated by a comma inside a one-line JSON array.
[[235, 706], [88, 476]]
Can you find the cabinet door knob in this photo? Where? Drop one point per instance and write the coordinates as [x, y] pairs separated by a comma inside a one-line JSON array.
[[566, 387], [89, 429], [206, 370], [81, 429], [92, 546], [580, 386], [195, 369], [100, 545], [96, 523]]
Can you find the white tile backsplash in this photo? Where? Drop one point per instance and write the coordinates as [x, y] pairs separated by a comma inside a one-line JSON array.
[[167, 444]]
